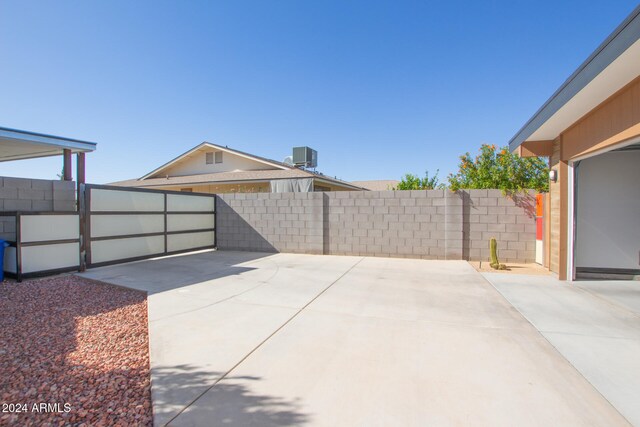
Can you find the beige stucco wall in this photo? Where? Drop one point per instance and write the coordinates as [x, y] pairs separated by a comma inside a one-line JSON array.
[[321, 186], [257, 187]]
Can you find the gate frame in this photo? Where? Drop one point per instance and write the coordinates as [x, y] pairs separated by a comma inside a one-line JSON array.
[[84, 206], [19, 244]]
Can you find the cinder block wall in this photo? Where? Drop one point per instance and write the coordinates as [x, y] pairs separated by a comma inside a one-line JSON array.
[[29, 195], [273, 222], [420, 224], [511, 220], [433, 224]]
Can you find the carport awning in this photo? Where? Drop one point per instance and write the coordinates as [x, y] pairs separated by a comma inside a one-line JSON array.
[[18, 144]]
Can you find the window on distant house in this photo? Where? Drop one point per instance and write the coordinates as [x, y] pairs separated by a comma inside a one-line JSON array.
[[209, 158], [218, 156]]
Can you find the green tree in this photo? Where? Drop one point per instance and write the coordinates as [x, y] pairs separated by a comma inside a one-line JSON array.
[[413, 182], [500, 169]]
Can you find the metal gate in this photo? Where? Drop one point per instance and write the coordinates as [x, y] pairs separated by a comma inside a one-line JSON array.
[[44, 243], [122, 224]]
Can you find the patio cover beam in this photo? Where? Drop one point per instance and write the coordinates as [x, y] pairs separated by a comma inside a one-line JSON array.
[[18, 144]]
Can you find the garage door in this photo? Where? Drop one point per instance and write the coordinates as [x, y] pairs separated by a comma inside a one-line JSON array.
[[607, 213]]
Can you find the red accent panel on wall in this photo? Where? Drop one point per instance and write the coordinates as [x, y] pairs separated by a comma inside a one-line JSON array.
[[539, 228], [539, 216]]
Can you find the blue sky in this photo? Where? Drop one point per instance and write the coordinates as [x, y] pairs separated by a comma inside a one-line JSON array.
[[378, 88]]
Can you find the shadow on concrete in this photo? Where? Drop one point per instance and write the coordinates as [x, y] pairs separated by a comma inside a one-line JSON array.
[[236, 234], [167, 273], [230, 402]]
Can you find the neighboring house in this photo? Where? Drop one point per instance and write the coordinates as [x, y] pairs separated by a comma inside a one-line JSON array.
[[590, 129], [377, 185], [212, 168]]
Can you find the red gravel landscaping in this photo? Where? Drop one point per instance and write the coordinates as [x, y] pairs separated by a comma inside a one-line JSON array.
[[73, 352]]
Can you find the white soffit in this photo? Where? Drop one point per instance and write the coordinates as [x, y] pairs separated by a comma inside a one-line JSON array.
[[17, 145], [613, 78]]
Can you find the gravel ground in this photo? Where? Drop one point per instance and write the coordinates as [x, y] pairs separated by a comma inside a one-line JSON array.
[[512, 268], [74, 342]]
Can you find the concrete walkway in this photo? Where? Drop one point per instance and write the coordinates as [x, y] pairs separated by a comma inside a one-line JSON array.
[[595, 325], [281, 340]]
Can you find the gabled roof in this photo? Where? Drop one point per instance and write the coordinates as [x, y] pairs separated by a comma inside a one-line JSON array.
[[234, 178], [609, 68], [280, 171], [215, 178], [19, 144], [205, 144]]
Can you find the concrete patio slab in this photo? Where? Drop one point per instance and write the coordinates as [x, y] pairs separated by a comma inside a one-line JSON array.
[[625, 293], [407, 289], [367, 371], [285, 339], [595, 325], [208, 310]]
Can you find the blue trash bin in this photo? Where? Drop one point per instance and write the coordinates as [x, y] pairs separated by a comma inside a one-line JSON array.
[[3, 244]]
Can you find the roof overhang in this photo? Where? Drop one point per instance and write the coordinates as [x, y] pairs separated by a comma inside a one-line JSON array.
[[144, 184], [158, 182], [18, 145], [608, 69], [338, 183]]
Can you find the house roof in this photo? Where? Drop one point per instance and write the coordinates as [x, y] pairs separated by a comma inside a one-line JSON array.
[[280, 171], [232, 178], [609, 68], [218, 177], [377, 185], [19, 144], [275, 164]]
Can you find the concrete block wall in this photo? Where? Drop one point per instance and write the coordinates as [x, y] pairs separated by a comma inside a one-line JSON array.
[[29, 195], [272, 222], [433, 224], [413, 224], [510, 219], [8, 228]]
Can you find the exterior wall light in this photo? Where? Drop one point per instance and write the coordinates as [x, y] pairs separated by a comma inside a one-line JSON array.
[[553, 175]]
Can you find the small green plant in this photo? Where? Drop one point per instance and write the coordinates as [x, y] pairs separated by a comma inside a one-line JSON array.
[[493, 248], [413, 182], [501, 169]]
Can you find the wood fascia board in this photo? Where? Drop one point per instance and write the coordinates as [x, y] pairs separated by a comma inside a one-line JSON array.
[[536, 149], [622, 137]]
